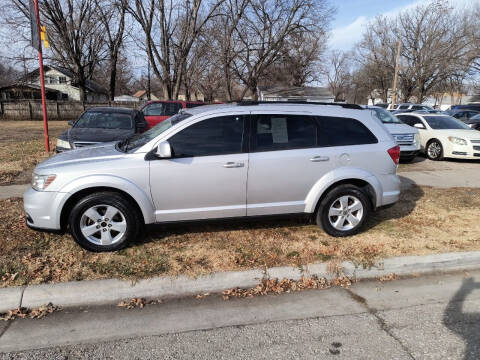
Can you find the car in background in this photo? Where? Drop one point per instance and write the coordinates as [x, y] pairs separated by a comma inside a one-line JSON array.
[[470, 106], [405, 136], [100, 125], [413, 107], [463, 115], [443, 136], [159, 110], [474, 122]]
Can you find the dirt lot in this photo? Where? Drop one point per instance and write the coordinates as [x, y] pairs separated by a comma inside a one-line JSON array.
[[425, 221], [22, 147]]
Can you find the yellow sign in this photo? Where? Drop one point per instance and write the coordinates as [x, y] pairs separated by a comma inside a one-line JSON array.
[[44, 36]]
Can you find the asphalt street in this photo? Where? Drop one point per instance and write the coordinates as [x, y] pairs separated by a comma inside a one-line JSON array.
[[429, 317]]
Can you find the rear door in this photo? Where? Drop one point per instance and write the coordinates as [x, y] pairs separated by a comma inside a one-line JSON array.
[[284, 163]]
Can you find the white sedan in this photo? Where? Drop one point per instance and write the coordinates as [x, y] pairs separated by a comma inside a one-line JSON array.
[[443, 136]]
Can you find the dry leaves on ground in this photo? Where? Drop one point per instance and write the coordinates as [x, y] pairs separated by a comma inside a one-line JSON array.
[[24, 313], [134, 303]]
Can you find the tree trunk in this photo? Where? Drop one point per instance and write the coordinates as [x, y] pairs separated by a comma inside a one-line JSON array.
[[113, 79]]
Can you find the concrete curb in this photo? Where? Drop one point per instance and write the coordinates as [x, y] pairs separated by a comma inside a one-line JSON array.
[[103, 292]]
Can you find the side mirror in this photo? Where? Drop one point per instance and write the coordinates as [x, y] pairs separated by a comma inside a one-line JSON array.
[[164, 150], [419, 126], [71, 122]]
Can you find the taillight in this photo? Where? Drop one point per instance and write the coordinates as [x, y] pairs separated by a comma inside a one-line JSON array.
[[394, 153]]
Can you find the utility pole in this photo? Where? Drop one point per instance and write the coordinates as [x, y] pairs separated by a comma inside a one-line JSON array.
[[395, 76], [37, 44], [149, 89]]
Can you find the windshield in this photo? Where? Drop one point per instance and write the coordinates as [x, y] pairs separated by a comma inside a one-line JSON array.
[[385, 116], [445, 122], [141, 139], [104, 120]]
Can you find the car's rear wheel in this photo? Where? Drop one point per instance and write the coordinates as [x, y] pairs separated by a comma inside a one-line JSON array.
[[343, 211], [104, 221], [435, 150]]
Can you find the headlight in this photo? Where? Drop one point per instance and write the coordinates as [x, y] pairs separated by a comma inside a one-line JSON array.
[[40, 182], [416, 138], [458, 141], [63, 144]]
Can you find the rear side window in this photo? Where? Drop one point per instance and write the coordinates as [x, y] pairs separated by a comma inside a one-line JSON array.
[[162, 109], [283, 132], [215, 136], [337, 131], [192, 105]]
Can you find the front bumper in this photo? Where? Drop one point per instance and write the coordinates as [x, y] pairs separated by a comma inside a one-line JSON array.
[[61, 149], [42, 209], [470, 151]]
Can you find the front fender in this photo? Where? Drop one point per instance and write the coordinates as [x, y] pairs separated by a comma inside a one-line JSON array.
[[337, 175], [141, 196]]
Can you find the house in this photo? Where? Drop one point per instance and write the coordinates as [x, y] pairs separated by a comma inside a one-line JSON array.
[[59, 85], [125, 98], [142, 95], [296, 93]]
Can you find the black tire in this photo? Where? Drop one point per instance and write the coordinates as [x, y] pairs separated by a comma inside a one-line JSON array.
[[127, 214], [322, 216], [431, 154]]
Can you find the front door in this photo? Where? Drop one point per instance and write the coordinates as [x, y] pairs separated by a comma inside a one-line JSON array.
[[158, 111], [207, 175]]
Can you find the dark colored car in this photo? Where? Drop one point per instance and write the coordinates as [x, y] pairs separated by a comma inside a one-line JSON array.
[[463, 115], [474, 122], [159, 110], [99, 125], [473, 106]]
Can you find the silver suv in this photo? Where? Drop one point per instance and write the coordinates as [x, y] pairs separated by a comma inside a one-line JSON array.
[[337, 162]]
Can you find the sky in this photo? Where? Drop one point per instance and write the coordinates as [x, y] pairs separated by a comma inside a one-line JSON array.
[[352, 16]]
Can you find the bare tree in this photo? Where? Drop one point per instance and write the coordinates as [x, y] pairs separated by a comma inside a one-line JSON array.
[[170, 29], [261, 34], [112, 17], [338, 74]]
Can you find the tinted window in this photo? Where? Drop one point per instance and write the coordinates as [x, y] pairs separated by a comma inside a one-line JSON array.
[[104, 120], [403, 106], [410, 120], [171, 108], [336, 131], [215, 136], [192, 105], [445, 122], [281, 132], [162, 109]]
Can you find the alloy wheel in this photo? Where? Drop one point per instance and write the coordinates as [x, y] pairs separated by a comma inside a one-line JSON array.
[[345, 213], [103, 225]]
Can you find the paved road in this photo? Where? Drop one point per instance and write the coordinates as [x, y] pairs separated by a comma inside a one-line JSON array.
[[435, 317]]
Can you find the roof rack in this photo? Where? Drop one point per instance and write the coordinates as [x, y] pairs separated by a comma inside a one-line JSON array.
[[344, 105]]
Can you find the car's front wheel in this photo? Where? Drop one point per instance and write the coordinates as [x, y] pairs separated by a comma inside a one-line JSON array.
[[343, 211], [435, 150], [104, 221]]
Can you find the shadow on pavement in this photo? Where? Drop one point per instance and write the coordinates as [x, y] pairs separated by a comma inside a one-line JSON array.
[[464, 324], [411, 193]]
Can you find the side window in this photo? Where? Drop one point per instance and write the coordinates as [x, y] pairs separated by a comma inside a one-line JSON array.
[[282, 132], [192, 105], [171, 109], [337, 131], [155, 109], [401, 107], [215, 136], [410, 120]]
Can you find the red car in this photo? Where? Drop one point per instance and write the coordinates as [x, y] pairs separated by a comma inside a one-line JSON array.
[[159, 110]]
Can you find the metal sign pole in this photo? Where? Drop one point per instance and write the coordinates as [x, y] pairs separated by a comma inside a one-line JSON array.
[[38, 46]]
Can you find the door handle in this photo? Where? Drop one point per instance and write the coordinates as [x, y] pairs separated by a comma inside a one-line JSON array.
[[232, 164], [319, 158]]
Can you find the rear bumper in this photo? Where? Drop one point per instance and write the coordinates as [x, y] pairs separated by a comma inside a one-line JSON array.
[[390, 189]]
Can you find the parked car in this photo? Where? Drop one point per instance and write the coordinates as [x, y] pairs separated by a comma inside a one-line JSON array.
[[443, 136], [413, 107], [157, 111], [405, 136], [474, 122], [336, 162], [471, 106], [463, 115], [99, 125]]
